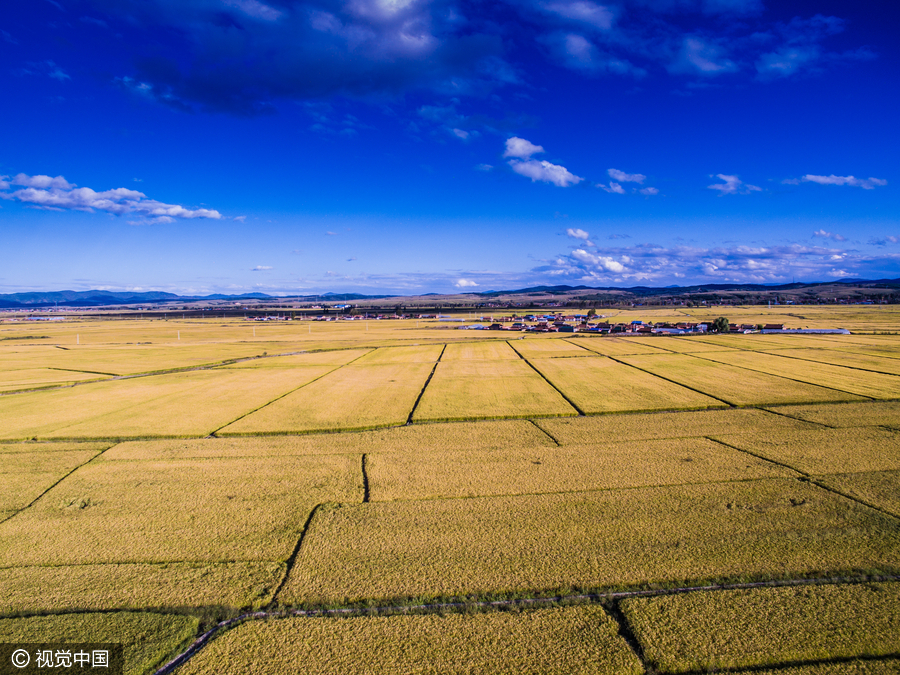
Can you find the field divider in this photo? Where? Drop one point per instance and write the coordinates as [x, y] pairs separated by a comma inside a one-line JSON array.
[[803, 474], [439, 607], [32, 502], [785, 377], [78, 370], [365, 477], [546, 433], [278, 398], [680, 384], [289, 563], [409, 419], [826, 363], [580, 412], [787, 665], [769, 409]]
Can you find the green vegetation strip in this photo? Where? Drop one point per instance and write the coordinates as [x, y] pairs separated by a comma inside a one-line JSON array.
[[542, 641], [148, 639], [766, 626]]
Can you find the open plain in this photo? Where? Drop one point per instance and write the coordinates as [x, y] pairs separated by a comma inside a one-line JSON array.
[[403, 496]]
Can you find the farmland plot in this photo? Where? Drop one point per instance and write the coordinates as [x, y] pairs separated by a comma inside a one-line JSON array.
[[565, 640], [609, 428], [863, 383], [879, 488], [178, 510], [30, 469], [463, 390], [148, 639], [354, 397], [138, 586], [848, 359], [35, 378], [731, 383], [415, 440], [158, 405], [826, 450], [601, 385], [888, 666], [545, 348], [862, 414], [765, 626], [476, 473], [661, 535], [479, 351], [411, 354], [608, 346], [331, 357]]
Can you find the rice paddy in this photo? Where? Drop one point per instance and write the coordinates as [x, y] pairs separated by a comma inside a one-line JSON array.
[[353, 464], [566, 640], [766, 626], [662, 535]]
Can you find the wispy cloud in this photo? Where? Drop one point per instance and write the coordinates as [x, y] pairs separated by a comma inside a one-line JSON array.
[[884, 241], [58, 194], [577, 233], [465, 283], [864, 183], [520, 152], [623, 177], [261, 268], [732, 185], [822, 234]]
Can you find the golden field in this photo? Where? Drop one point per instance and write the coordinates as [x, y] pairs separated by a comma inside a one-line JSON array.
[[158, 476]]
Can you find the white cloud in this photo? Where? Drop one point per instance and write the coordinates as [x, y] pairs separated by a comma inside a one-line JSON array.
[[584, 12], [351, 259], [732, 185], [545, 171], [331, 234], [649, 191], [822, 234], [459, 133], [465, 283], [613, 188], [520, 148], [623, 177], [255, 9], [261, 268], [483, 167], [240, 219], [57, 194], [600, 261], [703, 57], [576, 233], [864, 183]]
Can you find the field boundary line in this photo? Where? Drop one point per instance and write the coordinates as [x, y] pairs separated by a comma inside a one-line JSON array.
[[785, 665], [580, 412], [785, 377], [693, 389], [278, 398], [365, 477], [546, 433], [758, 456], [289, 563], [799, 419], [430, 608], [825, 363], [409, 419], [78, 370], [33, 501]]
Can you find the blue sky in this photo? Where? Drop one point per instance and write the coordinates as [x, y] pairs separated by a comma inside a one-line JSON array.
[[407, 146]]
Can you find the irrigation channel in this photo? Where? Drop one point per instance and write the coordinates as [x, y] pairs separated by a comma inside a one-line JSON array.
[[587, 598]]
